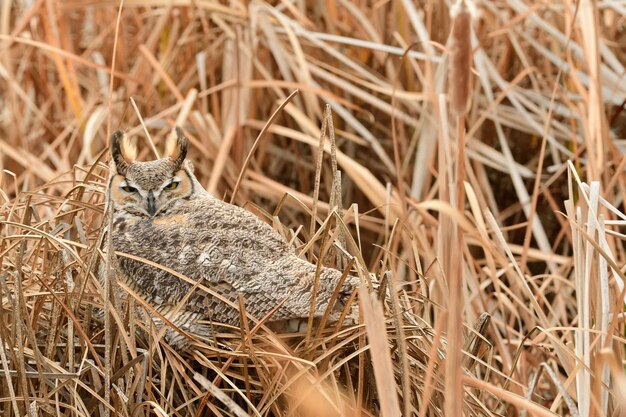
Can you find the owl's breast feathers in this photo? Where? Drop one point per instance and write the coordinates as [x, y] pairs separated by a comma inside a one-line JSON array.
[[226, 248]]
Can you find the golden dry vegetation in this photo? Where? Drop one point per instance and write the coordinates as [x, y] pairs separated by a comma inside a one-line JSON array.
[[497, 283]]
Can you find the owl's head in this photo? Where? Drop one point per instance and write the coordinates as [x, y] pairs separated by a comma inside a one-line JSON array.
[[150, 189]]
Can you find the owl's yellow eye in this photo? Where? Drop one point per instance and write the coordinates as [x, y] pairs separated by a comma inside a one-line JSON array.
[[129, 189], [172, 185]]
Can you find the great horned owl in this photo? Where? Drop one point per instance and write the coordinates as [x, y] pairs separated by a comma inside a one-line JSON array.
[[162, 214]]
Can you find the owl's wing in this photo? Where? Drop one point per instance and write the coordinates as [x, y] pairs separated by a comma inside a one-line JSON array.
[[229, 250]]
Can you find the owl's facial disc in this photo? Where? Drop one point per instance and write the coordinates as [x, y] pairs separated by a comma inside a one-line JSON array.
[[149, 195], [152, 188]]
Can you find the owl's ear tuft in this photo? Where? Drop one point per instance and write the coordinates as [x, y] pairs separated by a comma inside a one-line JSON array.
[[176, 148], [123, 151]]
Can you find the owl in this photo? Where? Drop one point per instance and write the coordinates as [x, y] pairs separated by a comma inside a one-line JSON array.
[[163, 216]]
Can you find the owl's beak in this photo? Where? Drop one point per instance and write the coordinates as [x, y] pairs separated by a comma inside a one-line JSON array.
[[151, 204]]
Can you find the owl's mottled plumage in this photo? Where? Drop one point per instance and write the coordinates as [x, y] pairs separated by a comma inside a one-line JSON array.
[[161, 213]]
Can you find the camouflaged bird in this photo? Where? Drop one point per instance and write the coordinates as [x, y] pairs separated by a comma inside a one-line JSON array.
[[162, 214]]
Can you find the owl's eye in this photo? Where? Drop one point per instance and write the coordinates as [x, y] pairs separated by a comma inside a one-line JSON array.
[[172, 185], [129, 189]]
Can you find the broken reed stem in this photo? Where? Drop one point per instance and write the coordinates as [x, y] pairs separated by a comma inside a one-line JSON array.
[[318, 169]]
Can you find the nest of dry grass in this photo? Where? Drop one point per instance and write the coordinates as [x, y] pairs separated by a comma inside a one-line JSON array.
[[493, 227]]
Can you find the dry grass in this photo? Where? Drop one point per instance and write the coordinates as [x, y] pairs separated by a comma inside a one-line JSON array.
[[524, 227]]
